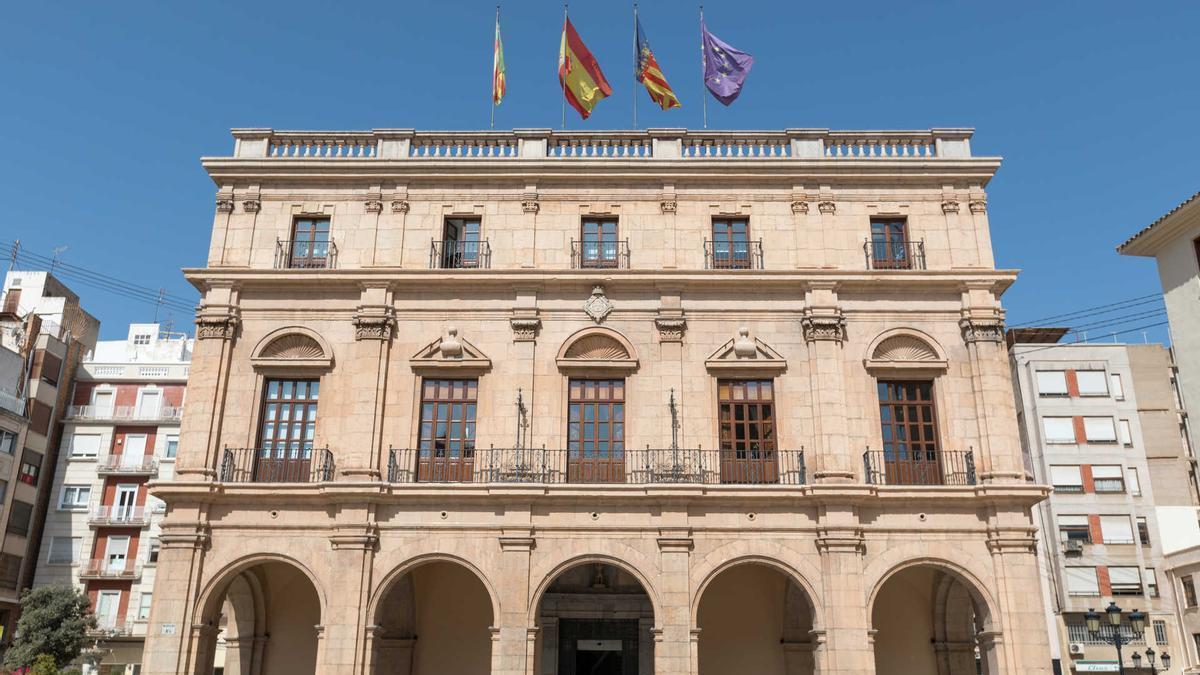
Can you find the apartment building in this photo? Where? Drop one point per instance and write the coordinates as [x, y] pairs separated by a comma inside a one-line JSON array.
[[121, 431], [1101, 424], [43, 334], [664, 401]]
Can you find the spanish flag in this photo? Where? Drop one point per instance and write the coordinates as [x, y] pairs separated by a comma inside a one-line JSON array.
[[582, 82], [650, 74]]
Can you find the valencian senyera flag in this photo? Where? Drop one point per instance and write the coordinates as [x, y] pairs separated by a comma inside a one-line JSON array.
[[498, 71], [650, 74], [725, 68], [582, 81]]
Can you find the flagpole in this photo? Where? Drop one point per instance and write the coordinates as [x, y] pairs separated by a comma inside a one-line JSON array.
[[493, 122], [636, 59], [564, 101], [703, 85]]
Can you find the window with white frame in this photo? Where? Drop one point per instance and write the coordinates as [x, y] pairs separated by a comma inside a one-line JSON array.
[[144, 607], [1116, 386], [155, 547], [1160, 626], [64, 550], [1099, 430], [1116, 529], [85, 445], [1132, 482], [1066, 478], [1125, 431], [171, 447], [1082, 581], [1125, 580], [1143, 528], [1052, 383], [8, 442], [1092, 382], [75, 497], [1108, 478], [1074, 528], [1058, 429]]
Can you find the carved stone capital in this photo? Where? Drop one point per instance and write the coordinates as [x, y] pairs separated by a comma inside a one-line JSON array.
[[830, 327], [828, 208], [372, 323], [668, 205], [525, 328], [399, 206], [224, 205], [217, 323], [251, 205], [841, 540], [529, 202], [670, 328], [978, 206], [374, 206], [799, 206], [981, 330], [950, 206]]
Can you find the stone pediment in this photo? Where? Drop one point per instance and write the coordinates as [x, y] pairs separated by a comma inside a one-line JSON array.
[[746, 354], [450, 353], [597, 349], [292, 348], [905, 349]]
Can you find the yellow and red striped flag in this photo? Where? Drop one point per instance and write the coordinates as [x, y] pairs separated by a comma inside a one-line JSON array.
[[582, 81], [499, 79], [650, 74]]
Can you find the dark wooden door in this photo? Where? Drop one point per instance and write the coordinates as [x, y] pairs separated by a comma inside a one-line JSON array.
[[599, 245], [889, 245], [289, 423], [747, 418], [596, 431], [446, 449], [910, 446], [597, 647], [731, 243], [310, 243]]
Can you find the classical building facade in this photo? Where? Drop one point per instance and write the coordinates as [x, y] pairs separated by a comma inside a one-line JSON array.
[[121, 430], [543, 402]]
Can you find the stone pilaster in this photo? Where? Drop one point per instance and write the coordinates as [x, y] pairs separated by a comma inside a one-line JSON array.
[[999, 453], [346, 621], [514, 640], [173, 643], [217, 324], [1019, 633], [824, 331], [846, 649], [672, 654], [374, 326]]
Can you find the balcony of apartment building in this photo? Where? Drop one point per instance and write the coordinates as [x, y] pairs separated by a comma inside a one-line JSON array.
[[118, 515], [112, 627], [915, 464], [282, 463], [310, 247], [125, 413], [118, 569], [129, 464], [891, 247]]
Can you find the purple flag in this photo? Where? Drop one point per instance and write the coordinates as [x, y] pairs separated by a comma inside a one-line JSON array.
[[725, 68]]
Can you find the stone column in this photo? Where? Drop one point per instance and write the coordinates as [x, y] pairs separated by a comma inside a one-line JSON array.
[[374, 326], [173, 644], [1019, 643], [846, 649], [217, 323], [672, 651], [824, 331], [345, 637], [999, 456], [514, 641]]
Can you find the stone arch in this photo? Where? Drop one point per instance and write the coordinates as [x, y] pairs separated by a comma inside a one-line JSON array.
[[631, 569], [424, 559], [217, 584], [959, 568], [813, 597], [905, 346], [597, 343], [292, 346]]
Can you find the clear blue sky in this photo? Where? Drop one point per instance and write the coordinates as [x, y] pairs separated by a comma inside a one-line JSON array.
[[108, 106]]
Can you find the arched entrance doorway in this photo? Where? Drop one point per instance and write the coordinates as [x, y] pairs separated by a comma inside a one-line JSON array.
[[753, 618], [595, 619], [266, 619], [435, 618], [929, 619]]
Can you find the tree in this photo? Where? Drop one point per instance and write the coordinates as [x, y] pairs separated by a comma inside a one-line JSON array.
[[54, 622]]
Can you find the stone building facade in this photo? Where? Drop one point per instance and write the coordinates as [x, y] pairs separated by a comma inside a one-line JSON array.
[[541, 402]]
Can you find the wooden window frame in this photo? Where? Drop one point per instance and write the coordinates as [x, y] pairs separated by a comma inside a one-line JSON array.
[[731, 258], [461, 256], [753, 458], [455, 460], [607, 249], [306, 250], [295, 464], [593, 465], [883, 253], [910, 466]]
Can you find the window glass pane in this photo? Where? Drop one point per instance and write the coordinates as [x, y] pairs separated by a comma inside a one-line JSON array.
[[1099, 429], [85, 445], [1131, 480], [1116, 529], [1052, 383], [1058, 429], [1065, 475], [1118, 388], [1092, 382], [1125, 432]]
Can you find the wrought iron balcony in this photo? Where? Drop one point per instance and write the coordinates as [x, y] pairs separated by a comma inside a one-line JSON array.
[[733, 255], [126, 413], [261, 465], [605, 255], [894, 255], [630, 466], [111, 627], [118, 516], [912, 467], [126, 466], [110, 569], [460, 255], [302, 254]]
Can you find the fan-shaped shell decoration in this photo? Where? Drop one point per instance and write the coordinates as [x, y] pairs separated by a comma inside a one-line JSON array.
[[597, 347], [904, 348], [293, 346]]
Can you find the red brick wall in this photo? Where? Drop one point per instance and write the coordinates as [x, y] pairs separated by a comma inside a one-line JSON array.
[[119, 434], [1080, 431], [94, 588], [1085, 473], [109, 496], [101, 542], [1072, 384], [1094, 529], [1105, 583]]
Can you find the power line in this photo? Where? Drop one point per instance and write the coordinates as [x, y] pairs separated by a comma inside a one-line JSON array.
[[1116, 321], [57, 265], [1108, 308], [1077, 342]]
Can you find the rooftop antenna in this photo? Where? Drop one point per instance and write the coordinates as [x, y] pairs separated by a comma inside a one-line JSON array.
[[162, 295], [12, 257], [54, 260]]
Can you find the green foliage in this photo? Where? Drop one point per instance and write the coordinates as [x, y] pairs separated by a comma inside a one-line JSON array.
[[44, 665], [54, 623]]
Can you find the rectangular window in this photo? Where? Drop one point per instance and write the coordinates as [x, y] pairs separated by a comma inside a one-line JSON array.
[[39, 417], [599, 246], [3, 490], [1125, 580], [1116, 386], [1092, 382], [289, 422], [1125, 432], [596, 431], [1051, 383], [47, 367], [1108, 478], [1116, 530], [1143, 528], [1058, 429], [1082, 581], [74, 497], [85, 445], [1133, 482], [64, 550], [1066, 478], [746, 419], [10, 570], [8, 442], [909, 433], [730, 246], [1189, 591], [171, 447], [18, 518], [446, 444], [460, 243], [309, 247], [1099, 430], [152, 556], [1074, 528], [144, 607], [141, 339], [890, 247], [31, 467], [1152, 590]]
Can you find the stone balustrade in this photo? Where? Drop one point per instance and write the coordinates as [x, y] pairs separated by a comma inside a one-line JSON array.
[[650, 144]]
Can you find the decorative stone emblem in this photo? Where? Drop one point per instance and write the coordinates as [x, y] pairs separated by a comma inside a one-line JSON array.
[[667, 205], [598, 306], [670, 328], [799, 206], [824, 327], [978, 206], [450, 347], [828, 208], [982, 330], [251, 206], [743, 346], [950, 206], [399, 206], [224, 205], [525, 328], [374, 206], [529, 202]]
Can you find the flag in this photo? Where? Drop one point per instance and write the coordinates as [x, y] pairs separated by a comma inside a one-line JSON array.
[[725, 68], [648, 73], [582, 82], [498, 71]]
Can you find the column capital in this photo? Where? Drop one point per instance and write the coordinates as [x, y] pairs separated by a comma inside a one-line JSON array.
[[525, 327], [671, 327], [1012, 540], [824, 326], [350, 538], [982, 329], [217, 322], [374, 322]]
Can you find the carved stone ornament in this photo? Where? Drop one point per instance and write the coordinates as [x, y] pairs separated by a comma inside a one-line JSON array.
[[824, 327], [251, 205], [216, 326], [224, 205], [670, 328], [374, 327], [982, 330], [949, 206], [799, 206], [525, 328], [529, 203], [374, 206], [399, 206], [668, 205], [743, 346], [828, 208], [978, 206], [451, 347], [598, 306]]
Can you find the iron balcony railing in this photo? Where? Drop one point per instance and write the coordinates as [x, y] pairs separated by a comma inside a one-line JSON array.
[[262, 465], [301, 254], [894, 255], [110, 569], [111, 627], [912, 467], [733, 255], [593, 254], [460, 255], [129, 466], [125, 413], [126, 516], [631, 466]]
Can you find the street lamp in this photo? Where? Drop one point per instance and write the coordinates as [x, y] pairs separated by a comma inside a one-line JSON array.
[[1137, 660], [1137, 622]]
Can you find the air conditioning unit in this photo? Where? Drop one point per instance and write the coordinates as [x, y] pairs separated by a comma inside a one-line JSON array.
[[1073, 546], [1075, 648]]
